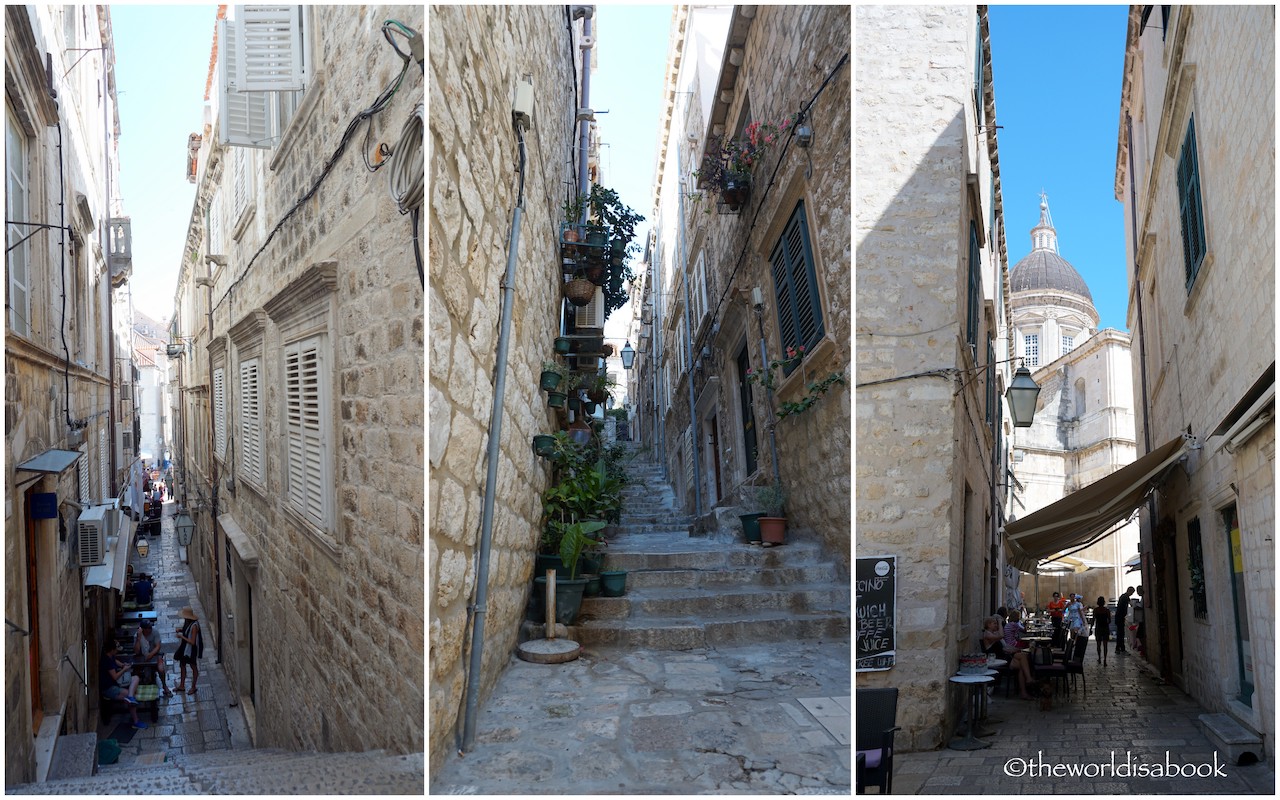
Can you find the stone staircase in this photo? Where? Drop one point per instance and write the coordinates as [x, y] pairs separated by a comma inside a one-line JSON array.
[[686, 591], [266, 771]]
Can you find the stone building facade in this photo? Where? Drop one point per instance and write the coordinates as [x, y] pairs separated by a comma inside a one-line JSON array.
[[1195, 170], [729, 67], [301, 410], [933, 339], [66, 410], [478, 55], [1083, 428]]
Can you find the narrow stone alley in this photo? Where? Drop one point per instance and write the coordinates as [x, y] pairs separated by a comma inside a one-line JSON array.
[[724, 668], [1120, 713], [201, 743]]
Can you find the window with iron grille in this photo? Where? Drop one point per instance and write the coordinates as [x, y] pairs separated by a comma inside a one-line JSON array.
[[795, 285], [309, 483], [1191, 210]]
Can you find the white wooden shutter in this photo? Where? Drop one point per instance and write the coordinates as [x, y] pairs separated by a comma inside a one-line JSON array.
[[220, 412], [103, 484], [82, 476], [305, 429], [244, 118], [269, 43], [251, 420]]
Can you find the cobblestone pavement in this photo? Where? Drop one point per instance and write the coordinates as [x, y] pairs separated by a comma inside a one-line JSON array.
[[752, 719], [1129, 715], [204, 722]]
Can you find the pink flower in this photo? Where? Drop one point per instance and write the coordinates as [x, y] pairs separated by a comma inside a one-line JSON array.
[[791, 352]]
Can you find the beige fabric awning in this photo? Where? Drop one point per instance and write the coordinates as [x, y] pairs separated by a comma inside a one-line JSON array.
[[1082, 515]]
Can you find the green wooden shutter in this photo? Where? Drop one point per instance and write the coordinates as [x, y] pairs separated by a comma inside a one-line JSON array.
[[975, 284], [1191, 210], [795, 285]]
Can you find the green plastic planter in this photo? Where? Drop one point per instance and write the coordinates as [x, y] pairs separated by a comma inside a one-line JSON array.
[[568, 598], [613, 583], [751, 526], [593, 586], [563, 345], [555, 399], [550, 379], [544, 444]]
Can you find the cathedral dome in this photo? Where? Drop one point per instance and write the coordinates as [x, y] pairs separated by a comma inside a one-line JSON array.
[[1046, 271], [1043, 271]]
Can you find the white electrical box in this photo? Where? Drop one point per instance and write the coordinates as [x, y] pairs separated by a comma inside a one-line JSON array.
[[522, 109]]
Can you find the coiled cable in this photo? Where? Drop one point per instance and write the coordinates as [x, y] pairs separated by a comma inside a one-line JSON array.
[[407, 173]]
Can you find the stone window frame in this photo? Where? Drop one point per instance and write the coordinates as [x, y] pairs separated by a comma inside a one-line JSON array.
[[306, 310], [247, 337]]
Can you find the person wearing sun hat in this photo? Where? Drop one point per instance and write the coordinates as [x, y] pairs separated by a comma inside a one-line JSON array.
[[190, 649]]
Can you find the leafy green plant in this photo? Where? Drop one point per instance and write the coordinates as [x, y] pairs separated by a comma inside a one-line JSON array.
[[576, 539], [768, 378], [573, 208], [771, 498]]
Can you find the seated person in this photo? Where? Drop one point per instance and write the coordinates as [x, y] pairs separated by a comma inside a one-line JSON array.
[[110, 669], [146, 649], [142, 590], [993, 643], [1013, 631]]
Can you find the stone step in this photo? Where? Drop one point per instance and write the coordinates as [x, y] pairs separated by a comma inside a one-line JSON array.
[[683, 634], [713, 555], [138, 780], [720, 578], [701, 606]]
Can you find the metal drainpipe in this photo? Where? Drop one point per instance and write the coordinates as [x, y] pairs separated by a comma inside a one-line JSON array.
[[491, 475], [688, 335], [584, 130], [658, 372], [106, 250], [213, 472]]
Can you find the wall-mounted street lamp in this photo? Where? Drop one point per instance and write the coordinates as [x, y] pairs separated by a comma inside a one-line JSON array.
[[1022, 394], [185, 526], [628, 355]]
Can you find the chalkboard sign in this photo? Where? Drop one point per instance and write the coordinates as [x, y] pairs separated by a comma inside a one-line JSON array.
[[875, 582]]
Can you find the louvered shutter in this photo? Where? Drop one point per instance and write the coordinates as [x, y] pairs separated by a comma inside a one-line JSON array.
[[796, 287], [220, 412], [244, 118], [251, 420], [305, 424], [82, 477], [103, 483], [269, 43]]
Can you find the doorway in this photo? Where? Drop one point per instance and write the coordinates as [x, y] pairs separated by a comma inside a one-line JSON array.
[[713, 455], [749, 446], [1169, 611], [1240, 604]]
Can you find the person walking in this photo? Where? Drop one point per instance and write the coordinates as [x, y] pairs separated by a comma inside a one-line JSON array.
[[1122, 611], [1075, 615], [1102, 629], [190, 649]]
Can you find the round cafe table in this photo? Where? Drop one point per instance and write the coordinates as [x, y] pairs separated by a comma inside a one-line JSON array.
[[983, 714], [975, 683]]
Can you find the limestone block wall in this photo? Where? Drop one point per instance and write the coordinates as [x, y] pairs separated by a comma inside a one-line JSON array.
[[919, 449], [1206, 345], [788, 53], [477, 54], [341, 606]]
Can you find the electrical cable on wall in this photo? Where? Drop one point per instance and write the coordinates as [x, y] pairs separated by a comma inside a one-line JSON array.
[[379, 104], [407, 176]]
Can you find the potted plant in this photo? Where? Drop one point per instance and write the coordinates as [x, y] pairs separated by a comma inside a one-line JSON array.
[[571, 232], [773, 525], [563, 345], [574, 539], [598, 387], [728, 168], [556, 398], [544, 444], [553, 373], [579, 289], [618, 222]]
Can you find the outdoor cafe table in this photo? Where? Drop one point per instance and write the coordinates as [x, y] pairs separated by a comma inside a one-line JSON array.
[[975, 683]]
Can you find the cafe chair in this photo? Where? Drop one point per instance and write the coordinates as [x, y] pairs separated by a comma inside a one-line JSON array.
[[1059, 670], [877, 713]]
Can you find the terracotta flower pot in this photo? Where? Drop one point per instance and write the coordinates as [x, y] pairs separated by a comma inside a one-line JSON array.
[[773, 530]]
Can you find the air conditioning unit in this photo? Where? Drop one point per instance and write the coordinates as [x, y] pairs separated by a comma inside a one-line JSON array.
[[592, 314], [93, 527]]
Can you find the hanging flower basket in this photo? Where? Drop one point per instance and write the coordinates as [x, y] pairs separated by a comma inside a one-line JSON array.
[[597, 274], [736, 190], [597, 395], [570, 236], [579, 291]]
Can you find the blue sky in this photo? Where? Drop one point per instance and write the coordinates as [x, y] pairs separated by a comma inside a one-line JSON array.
[[631, 64], [162, 59], [1057, 72]]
